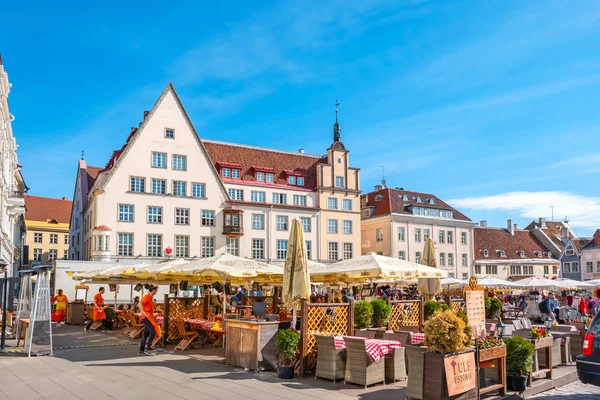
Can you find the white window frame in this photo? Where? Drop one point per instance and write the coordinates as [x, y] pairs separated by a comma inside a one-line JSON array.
[[159, 186], [299, 200], [156, 216], [402, 255], [463, 238], [306, 223], [54, 238], [417, 235], [332, 203], [282, 222], [260, 176], [347, 204], [332, 225], [199, 190], [182, 216], [258, 221], [279, 198], [121, 214], [236, 173], [379, 234], [258, 249], [207, 218], [232, 246], [226, 172], [339, 182], [347, 250], [347, 227], [38, 237], [159, 160], [154, 245], [137, 182], [236, 194], [401, 234], [125, 247], [177, 186], [269, 177], [282, 247], [182, 246], [258, 196], [207, 244], [333, 251], [179, 162]]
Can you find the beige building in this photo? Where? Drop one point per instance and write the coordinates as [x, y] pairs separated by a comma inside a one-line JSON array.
[[396, 223], [47, 223], [167, 191]]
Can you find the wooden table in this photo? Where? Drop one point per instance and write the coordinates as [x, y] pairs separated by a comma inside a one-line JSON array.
[[546, 344], [251, 344], [497, 354], [23, 325]]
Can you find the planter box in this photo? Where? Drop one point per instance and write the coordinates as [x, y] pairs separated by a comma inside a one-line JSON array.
[[542, 342], [435, 386], [492, 353], [499, 354]]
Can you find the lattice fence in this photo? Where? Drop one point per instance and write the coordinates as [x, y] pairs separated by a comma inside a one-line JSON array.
[[457, 305], [270, 300], [322, 319], [405, 313], [182, 307]]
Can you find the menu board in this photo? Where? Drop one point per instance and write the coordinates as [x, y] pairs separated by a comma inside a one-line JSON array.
[[476, 312]]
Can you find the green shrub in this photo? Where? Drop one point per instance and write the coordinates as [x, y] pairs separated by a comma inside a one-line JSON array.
[[363, 313], [445, 333], [493, 307], [468, 330], [519, 353], [110, 313], [287, 347], [381, 312], [431, 306]]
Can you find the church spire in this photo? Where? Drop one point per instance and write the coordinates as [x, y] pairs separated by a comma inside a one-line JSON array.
[[336, 127]]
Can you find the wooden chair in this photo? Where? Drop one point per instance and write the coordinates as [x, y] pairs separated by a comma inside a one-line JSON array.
[[360, 367], [136, 327], [186, 337], [365, 334], [331, 362]]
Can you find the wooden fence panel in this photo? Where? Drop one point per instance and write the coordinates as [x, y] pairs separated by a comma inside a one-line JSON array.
[[405, 313]]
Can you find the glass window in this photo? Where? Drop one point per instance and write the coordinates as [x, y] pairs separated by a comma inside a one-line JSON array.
[[226, 172], [208, 246], [37, 254], [258, 249], [546, 270], [137, 184], [401, 234], [282, 246], [347, 226], [126, 212], [269, 177], [52, 254], [463, 238], [418, 257], [236, 194], [450, 259], [170, 133], [65, 254], [332, 248], [442, 259], [37, 238], [232, 246], [279, 198], [300, 181], [125, 244], [258, 197], [347, 252], [159, 160], [402, 255], [154, 245], [339, 181], [425, 234], [305, 223], [260, 176], [332, 226], [182, 246], [347, 204], [332, 203], [53, 238], [236, 173], [308, 244], [154, 215], [450, 237], [179, 162], [179, 188], [491, 269], [417, 235], [258, 221], [182, 216], [442, 237], [299, 200], [199, 190], [589, 266], [379, 234], [465, 260], [282, 223], [208, 218], [159, 186], [291, 180], [67, 239]]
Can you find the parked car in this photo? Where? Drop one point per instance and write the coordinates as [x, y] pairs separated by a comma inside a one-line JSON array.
[[588, 363]]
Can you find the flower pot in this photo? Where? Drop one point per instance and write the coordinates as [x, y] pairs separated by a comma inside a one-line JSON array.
[[285, 372], [517, 383]]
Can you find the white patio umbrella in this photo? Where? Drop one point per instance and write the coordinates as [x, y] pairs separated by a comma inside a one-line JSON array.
[[569, 284], [499, 283], [535, 283], [453, 281], [149, 271]]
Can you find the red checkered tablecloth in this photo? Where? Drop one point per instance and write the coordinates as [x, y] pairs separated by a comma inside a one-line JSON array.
[[416, 338], [376, 348], [200, 323]]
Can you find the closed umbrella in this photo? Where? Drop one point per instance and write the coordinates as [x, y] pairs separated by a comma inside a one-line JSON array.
[[296, 281], [429, 286]]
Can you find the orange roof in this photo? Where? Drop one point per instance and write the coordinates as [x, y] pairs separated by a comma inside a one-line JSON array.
[[45, 208], [495, 240], [92, 173], [553, 230]]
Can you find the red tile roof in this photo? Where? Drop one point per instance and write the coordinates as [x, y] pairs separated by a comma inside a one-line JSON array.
[[250, 158], [390, 200], [92, 173], [595, 242], [580, 243], [553, 230], [496, 239], [45, 208]]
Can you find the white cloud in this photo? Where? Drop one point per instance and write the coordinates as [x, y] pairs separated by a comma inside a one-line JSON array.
[[581, 211]]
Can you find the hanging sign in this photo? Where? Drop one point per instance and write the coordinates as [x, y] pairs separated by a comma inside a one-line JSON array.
[[460, 373]]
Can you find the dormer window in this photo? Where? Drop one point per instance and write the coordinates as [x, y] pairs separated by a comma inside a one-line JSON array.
[[260, 176], [404, 197], [502, 253], [570, 251], [226, 172], [378, 197], [418, 199], [521, 253], [236, 173], [269, 177], [549, 254], [431, 201], [300, 181], [486, 253], [538, 253]]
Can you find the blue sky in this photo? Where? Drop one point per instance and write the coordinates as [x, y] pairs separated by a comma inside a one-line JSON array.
[[491, 105]]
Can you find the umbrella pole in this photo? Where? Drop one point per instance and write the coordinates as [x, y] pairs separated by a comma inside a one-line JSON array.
[[224, 307], [294, 316]]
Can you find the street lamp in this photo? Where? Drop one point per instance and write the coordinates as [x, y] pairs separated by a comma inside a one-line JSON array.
[[584, 319], [568, 314], [500, 328], [548, 323]]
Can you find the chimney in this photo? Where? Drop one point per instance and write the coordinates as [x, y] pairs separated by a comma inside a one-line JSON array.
[[146, 114], [542, 223], [511, 228], [516, 227], [65, 198], [565, 234], [301, 151], [483, 224], [378, 188]]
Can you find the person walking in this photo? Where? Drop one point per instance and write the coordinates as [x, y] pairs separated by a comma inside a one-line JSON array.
[[61, 301], [552, 306], [99, 313], [150, 326]]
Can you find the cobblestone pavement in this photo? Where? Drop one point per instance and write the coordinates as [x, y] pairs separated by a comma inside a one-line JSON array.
[[572, 391]]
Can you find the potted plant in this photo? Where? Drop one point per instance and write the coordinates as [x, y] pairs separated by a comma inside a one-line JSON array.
[[287, 352], [381, 312], [363, 314], [519, 357], [431, 306]]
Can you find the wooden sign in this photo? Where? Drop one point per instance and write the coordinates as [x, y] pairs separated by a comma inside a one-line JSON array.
[[475, 305], [460, 373]]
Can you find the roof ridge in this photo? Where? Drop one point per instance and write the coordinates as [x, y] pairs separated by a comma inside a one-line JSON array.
[[259, 148], [412, 191], [49, 198]]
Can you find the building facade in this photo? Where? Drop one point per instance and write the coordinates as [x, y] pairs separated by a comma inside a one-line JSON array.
[[553, 235], [511, 253], [396, 223], [12, 187], [166, 191], [47, 223], [570, 259], [590, 258]]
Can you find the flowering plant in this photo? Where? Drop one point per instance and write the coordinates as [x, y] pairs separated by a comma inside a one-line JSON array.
[[538, 333], [489, 342]]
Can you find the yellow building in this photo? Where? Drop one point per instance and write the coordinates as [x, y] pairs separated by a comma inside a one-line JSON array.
[[47, 229]]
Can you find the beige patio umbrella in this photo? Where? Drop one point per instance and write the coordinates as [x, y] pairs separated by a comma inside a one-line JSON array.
[[296, 280], [429, 286]]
